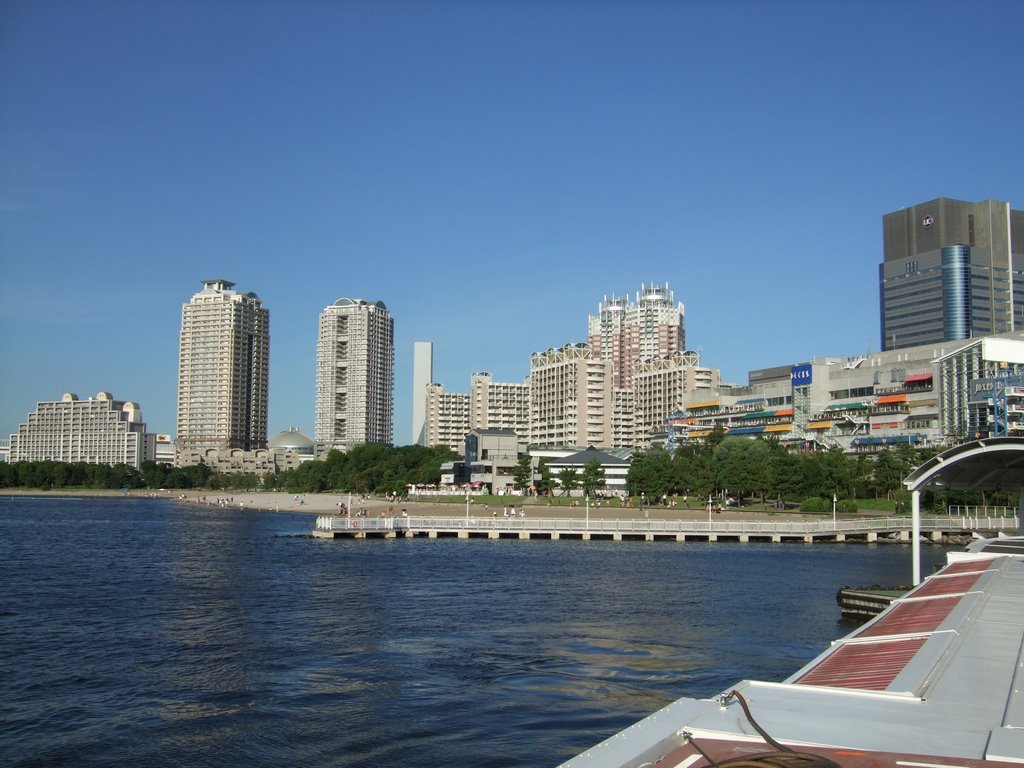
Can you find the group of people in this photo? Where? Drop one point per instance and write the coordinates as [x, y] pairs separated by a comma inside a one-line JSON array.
[[510, 512]]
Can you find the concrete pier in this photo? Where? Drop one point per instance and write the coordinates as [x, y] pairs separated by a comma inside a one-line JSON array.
[[892, 529]]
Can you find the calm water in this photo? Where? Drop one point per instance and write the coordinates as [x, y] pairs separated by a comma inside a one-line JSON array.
[[147, 632]]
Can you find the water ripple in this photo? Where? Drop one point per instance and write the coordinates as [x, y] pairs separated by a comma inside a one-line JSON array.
[[155, 633]]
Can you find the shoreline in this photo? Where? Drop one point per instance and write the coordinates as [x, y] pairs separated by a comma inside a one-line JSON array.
[[327, 503]]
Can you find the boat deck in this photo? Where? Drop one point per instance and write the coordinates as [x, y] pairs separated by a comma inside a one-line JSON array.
[[937, 680]]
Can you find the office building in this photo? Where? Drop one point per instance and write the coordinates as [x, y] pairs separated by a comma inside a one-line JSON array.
[[355, 375], [422, 376], [627, 332], [981, 384], [100, 430], [490, 459], [952, 270], [223, 370]]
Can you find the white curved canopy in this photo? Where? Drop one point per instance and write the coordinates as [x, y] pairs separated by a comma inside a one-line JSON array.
[[989, 464]]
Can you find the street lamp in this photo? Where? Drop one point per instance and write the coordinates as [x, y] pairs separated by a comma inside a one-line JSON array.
[[709, 511], [834, 523], [588, 512]]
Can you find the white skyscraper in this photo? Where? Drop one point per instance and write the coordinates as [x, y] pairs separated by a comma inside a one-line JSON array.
[[223, 370], [355, 374], [422, 376]]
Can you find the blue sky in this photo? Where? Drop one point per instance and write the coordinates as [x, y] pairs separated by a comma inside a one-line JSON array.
[[490, 170]]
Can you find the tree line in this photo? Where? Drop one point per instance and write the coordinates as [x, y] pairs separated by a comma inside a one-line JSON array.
[[364, 469], [761, 469]]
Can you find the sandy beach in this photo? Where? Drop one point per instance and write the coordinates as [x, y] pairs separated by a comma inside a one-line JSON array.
[[327, 503]]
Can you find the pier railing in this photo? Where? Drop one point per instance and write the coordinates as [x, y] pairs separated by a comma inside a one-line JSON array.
[[965, 511], [880, 525]]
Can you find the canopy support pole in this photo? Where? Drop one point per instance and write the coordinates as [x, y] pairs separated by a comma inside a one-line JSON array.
[[915, 534]]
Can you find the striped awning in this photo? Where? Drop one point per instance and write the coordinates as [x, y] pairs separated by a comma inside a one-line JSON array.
[[779, 428], [847, 407], [819, 425]]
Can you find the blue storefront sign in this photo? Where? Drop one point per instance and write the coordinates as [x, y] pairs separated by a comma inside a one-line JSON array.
[[800, 375]]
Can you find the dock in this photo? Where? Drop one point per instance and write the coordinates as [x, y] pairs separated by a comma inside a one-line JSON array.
[[864, 603], [933, 681], [895, 529]]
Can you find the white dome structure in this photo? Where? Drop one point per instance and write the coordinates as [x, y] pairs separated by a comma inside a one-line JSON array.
[[291, 440]]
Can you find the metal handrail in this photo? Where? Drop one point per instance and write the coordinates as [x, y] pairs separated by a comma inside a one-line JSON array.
[[578, 525]]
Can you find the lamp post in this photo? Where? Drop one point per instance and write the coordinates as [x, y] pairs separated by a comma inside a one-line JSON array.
[[467, 507], [834, 521], [709, 511], [588, 512]]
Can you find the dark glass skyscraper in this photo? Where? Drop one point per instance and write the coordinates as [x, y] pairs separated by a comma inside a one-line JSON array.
[[952, 270]]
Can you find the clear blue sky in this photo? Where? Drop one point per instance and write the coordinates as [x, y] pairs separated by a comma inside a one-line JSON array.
[[489, 170]]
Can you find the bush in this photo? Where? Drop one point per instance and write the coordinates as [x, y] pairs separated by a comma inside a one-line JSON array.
[[815, 505], [847, 507]]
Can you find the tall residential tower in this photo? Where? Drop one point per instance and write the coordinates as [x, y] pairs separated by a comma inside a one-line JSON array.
[[952, 270], [627, 333], [223, 369], [355, 374]]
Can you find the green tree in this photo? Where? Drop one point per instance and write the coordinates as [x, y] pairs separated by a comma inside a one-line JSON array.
[[592, 477], [651, 473], [717, 435], [783, 475], [546, 483], [694, 470], [836, 473], [888, 473], [522, 475], [731, 456], [568, 478]]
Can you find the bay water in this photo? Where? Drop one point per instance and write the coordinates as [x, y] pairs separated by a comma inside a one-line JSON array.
[[152, 632]]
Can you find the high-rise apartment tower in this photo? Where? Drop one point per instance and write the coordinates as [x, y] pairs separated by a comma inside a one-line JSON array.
[[626, 332], [355, 374], [952, 270], [223, 369]]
